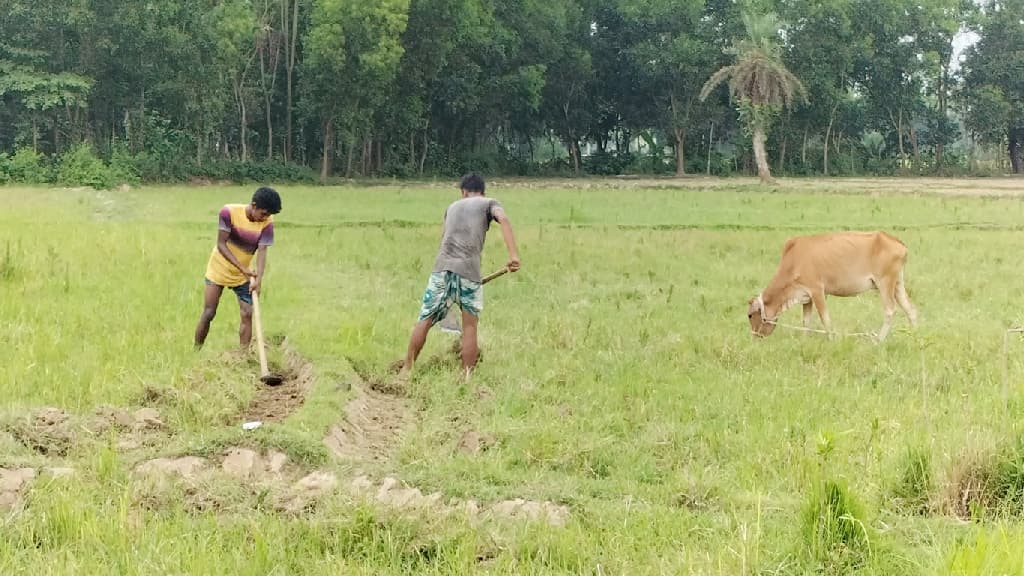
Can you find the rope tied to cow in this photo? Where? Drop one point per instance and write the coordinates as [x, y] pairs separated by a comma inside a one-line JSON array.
[[777, 324]]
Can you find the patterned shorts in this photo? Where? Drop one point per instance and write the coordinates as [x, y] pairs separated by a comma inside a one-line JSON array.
[[443, 289], [242, 290]]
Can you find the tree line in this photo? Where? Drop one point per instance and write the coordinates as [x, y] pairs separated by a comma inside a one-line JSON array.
[[304, 89]]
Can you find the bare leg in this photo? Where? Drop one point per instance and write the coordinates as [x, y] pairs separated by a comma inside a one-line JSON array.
[[211, 297], [818, 299], [888, 296], [244, 325], [416, 342], [470, 348], [904, 302]]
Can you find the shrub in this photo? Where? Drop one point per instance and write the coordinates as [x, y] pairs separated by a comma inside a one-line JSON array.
[[80, 166], [835, 533], [28, 167]]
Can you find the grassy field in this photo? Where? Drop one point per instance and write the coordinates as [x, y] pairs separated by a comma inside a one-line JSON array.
[[619, 380]]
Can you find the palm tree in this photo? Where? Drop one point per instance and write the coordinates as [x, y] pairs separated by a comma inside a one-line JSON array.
[[759, 81]]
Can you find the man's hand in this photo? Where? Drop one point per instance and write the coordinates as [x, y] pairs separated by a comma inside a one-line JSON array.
[[254, 284], [513, 263]]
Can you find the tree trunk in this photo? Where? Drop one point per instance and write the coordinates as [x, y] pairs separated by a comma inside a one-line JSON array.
[[270, 132], [899, 138], [290, 43], [268, 81], [142, 119], [803, 150], [1016, 154], [761, 157], [350, 157], [423, 154], [940, 147], [56, 134], [574, 152], [243, 136], [711, 145], [412, 149], [913, 145], [680, 159], [828, 135], [782, 154], [325, 161], [679, 128]]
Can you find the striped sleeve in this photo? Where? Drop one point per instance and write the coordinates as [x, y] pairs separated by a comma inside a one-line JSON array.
[[224, 221], [267, 235]]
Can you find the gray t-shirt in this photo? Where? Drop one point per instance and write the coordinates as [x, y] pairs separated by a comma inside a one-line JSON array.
[[466, 222]]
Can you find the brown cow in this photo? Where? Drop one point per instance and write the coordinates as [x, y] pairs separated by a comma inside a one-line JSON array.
[[838, 264]]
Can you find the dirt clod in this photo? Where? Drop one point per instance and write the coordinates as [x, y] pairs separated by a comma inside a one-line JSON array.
[[146, 419], [473, 442], [246, 464], [241, 463], [185, 467], [48, 431], [13, 482]]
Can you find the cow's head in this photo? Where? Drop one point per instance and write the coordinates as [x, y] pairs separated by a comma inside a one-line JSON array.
[[760, 325]]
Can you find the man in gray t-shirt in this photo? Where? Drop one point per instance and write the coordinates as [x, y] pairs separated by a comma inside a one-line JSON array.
[[456, 272]]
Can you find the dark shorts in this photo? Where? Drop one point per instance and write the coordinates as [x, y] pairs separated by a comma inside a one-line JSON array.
[[242, 291]]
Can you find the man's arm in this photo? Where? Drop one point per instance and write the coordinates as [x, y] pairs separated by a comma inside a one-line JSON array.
[[510, 238], [222, 247], [261, 268]]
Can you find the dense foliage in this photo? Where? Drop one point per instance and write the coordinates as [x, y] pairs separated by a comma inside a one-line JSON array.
[[95, 91]]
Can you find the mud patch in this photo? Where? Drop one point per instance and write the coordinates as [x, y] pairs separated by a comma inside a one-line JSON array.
[[275, 403], [48, 431], [373, 424], [393, 494]]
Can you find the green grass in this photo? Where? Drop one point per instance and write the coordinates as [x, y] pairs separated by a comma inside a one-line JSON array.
[[620, 380]]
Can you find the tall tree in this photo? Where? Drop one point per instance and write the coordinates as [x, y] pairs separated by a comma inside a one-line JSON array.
[[352, 53], [672, 54], [995, 79], [758, 81], [823, 48], [236, 27]]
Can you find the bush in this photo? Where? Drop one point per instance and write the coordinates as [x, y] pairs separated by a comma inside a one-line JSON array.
[[80, 166], [835, 532], [122, 166], [261, 171], [28, 167], [5, 175], [911, 491], [607, 163]]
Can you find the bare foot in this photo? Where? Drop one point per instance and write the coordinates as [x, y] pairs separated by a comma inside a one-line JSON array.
[[403, 376]]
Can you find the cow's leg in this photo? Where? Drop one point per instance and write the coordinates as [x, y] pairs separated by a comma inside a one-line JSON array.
[[904, 301], [808, 308], [818, 299], [887, 292]]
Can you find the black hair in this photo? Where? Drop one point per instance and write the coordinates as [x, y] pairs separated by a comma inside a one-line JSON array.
[[472, 182], [268, 199]]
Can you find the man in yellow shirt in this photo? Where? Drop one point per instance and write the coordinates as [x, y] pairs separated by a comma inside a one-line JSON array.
[[243, 230]]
